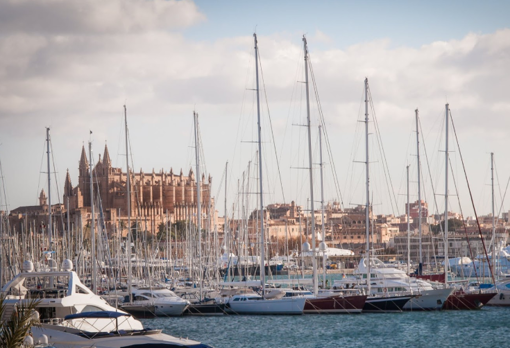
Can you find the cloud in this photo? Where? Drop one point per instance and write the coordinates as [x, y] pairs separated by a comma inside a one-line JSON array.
[[73, 65], [95, 17]]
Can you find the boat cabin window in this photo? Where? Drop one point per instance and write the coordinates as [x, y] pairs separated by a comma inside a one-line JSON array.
[[236, 299], [140, 298], [90, 308], [80, 290], [46, 313], [149, 295]]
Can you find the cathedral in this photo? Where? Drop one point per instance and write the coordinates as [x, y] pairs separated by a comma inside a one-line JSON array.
[[155, 197]]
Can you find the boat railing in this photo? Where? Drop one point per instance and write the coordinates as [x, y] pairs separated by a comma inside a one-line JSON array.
[[47, 293]]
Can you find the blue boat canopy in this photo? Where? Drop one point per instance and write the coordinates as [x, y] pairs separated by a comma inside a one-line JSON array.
[[98, 314]]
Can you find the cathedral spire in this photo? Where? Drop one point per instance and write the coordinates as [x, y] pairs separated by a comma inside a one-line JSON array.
[[84, 163], [68, 186], [106, 157]]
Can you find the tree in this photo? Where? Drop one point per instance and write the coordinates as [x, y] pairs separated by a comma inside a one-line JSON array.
[[14, 330], [453, 225]]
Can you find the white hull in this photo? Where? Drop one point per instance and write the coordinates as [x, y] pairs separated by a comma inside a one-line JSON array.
[[156, 308], [61, 337], [279, 306], [501, 299], [428, 300]]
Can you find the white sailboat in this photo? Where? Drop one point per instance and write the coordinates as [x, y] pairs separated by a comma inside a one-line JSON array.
[[254, 303]]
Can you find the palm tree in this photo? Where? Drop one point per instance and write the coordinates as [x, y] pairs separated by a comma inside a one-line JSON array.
[[15, 329]]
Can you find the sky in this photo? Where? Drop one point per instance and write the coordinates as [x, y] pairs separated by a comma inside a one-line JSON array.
[[72, 65]]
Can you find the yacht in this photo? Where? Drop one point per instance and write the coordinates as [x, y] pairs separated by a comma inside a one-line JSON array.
[[388, 281], [73, 316], [87, 330], [155, 302]]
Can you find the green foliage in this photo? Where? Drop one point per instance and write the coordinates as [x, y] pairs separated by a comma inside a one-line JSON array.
[[15, 329], [453, 225], [178, 229]]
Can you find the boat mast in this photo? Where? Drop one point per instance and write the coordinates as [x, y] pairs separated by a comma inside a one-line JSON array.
[[50, 222], [420, 264], [312, 211], [446, 261], [261, 215], [128, 198], [322, 245], [367, 205], [199, 203], [493, 263], [92, 222], [408, 226]]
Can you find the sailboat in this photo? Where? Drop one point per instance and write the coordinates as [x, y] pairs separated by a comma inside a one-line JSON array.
[[388, 302], [203, 306], [252, 303], [324, 302], [459, 299]]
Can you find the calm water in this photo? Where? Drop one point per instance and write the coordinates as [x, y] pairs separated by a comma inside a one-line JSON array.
[[488, 327]]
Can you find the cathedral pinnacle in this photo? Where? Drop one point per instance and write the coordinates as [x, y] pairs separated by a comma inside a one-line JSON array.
[[84, 163], [106, 157]]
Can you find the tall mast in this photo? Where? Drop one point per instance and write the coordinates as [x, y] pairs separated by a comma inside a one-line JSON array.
[[408, 226], [261, 215], [312, 211], [322, 245], [128, 198], [420, 265], [226, 229], [50, 222], [367, 204], [92, 222], [199, 203], [446, 261], [493, 217]]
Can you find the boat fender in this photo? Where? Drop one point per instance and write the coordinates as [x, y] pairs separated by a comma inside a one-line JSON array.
[[501, 296]]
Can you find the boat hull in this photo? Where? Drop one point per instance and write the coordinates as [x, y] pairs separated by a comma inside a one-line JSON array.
[[283, 306], [467, 301], [151, 310], [335, 304], [205, 309], [428, 300], [385, 304]]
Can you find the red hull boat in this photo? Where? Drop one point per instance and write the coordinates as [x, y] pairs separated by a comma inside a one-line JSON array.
[[335, 304], [460, 300]]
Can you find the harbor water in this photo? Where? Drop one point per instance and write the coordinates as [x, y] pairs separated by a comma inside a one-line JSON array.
[[487, 327]]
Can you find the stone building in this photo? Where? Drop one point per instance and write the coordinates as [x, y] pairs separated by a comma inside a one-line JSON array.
[[155, 197]]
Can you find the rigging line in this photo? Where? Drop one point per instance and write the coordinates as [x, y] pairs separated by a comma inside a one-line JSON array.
[[5, 192], [40, 171], [354, 150], [271, 126], [385, 161], [221, 182], [471, 196], [56, 184], [429, 172], [325, 131], [501, 207], [471, 254]]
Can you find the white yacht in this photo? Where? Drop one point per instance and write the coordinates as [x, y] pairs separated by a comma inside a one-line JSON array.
[[155, 302], [255, 304], [73, 316], [87, 330], [390, 281]]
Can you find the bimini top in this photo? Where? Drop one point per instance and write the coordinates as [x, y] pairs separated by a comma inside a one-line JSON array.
[[98, 314]]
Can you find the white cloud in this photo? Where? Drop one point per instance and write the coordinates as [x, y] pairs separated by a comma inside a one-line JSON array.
[[73, 65]]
